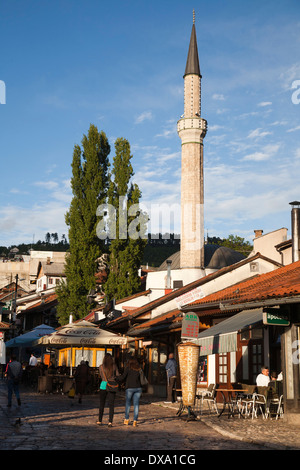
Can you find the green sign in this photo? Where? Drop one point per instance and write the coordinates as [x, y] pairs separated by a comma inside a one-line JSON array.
[[272, 318], [190, 325], [7, 306]]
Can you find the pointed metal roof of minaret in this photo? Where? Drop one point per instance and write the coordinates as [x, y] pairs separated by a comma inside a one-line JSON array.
[[192, 63]]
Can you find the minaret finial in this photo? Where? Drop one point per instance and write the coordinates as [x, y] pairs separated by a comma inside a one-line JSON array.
[[193, 16]]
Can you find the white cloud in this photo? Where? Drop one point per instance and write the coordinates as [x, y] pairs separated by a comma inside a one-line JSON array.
[[265, 154], [145, 116], [47, 184], [170, 130], [17, 191], [216, 127], [218, 97], [20, 223], [288, 76], [257, 133], [265, 103], [294, 129]]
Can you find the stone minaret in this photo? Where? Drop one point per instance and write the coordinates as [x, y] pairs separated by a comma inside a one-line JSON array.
[[191, 130]]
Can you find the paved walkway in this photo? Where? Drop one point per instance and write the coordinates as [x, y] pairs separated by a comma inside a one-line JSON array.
[[56, 422]]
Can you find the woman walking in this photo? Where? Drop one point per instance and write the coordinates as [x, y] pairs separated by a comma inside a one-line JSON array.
[[108, 387], [133, 389]]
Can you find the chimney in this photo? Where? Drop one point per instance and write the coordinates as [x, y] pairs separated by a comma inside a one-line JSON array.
[[168, 280], [258, 233], [48, 260], [295, 230]]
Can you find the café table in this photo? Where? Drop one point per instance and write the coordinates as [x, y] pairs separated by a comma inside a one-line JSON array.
[[228, 400]]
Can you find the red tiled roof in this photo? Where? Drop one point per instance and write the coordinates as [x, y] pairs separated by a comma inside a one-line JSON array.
[[177, 292], [283, 282], [45, 301], [91, 315], [167, 318]]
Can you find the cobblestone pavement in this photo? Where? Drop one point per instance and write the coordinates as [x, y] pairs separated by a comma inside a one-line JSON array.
[[56, 422]]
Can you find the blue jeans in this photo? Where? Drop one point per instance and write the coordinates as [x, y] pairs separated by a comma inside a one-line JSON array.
[[12, 387], [135, 395]]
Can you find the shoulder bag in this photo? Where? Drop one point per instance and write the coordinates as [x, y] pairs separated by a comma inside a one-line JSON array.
[[111, 384], [143, 379]]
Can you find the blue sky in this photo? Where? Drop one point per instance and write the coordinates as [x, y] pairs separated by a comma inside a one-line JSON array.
[[119, 65]]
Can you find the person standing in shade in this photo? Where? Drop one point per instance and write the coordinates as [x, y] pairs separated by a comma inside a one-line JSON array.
[[108, 387], [14, 374], [33, 360], [82, 377], [171, 368]]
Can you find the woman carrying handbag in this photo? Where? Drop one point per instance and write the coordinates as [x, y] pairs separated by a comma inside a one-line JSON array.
[[108, 387], [134, 380]]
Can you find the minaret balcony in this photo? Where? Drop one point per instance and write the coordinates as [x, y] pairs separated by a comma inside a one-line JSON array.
[[195, 123]]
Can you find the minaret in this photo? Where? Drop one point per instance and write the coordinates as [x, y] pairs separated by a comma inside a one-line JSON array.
[[192, 130]]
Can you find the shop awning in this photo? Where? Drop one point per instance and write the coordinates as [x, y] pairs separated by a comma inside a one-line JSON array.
[[222, 338]]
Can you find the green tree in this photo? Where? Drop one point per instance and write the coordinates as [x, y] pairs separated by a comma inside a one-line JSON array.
[[89, 184], [238, 244], [128, 244]]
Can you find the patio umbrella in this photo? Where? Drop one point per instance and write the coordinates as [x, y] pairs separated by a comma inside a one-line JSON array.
[[82, 334], [28, 339]]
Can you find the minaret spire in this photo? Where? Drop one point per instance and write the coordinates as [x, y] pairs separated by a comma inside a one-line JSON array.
[[192, 130], [192, 63]]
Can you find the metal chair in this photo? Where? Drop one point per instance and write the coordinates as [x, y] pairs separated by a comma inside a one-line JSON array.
[[247, 400], [259, 404], [275, 407], [210, 397]]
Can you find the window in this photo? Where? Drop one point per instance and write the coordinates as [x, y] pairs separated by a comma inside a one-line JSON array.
[[256, 360], [202, 370], [223, 368]]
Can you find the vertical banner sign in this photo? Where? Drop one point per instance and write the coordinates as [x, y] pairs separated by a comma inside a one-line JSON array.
[[188, 354], [190, 326]]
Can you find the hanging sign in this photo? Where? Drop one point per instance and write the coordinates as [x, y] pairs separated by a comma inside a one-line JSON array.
[[190, 326], [270, 318]]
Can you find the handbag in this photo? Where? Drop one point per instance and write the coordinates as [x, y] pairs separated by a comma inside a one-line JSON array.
[[111, 385], [103, 385], [143, 379]]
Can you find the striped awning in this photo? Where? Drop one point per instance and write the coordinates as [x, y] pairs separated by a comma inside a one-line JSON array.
[[222, 338]]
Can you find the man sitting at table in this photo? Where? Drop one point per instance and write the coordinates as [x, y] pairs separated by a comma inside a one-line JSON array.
[[262, 380]]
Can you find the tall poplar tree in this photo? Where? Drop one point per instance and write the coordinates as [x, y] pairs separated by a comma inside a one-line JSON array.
[[89, 184], [127, 248]]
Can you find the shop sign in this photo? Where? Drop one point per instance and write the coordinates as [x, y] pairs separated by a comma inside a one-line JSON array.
[[270, 318], [190, 297], [190, 326]]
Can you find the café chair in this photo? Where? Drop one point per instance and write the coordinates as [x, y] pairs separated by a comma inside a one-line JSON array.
[[275, 407], [210, 397], [247, 400], [259, 404]]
